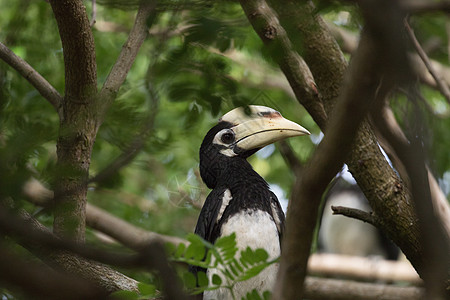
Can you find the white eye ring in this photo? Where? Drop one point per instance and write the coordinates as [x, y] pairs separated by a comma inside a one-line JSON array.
[[227, 137]]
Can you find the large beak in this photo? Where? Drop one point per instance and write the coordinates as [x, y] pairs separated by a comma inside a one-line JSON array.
[[260, 127]]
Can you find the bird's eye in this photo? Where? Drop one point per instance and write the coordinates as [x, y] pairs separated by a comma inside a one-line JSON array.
[[227, 137]]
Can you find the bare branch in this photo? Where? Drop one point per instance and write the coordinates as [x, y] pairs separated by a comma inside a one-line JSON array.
[[124, 232], [290, 157], [127, 56], [94, 13], [127, 234], [42, 86], [323, 289], [355, 214], [441, 84], [362, 268]]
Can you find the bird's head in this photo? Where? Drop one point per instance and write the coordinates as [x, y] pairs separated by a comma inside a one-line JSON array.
[[240, 133]]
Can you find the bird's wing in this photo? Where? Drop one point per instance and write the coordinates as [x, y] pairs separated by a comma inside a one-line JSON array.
[[207, 220], [208, 216], [277, 214]]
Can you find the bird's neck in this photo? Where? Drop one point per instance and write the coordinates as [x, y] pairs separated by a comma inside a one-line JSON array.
[[238, 173]]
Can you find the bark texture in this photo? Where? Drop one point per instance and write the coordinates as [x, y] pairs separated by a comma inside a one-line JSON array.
[[78, 119]]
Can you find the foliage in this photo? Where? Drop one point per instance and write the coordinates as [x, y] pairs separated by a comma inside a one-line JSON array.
[[224, 255], [200, 60]]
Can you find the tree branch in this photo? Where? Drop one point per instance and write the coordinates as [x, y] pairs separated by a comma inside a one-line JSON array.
[[355, 214], [424, 6], [442, 86], [118, 74], [266, 25], [371, 65], [349, 41], [386, 124], [290, 157], [28, 276], [434, 238], [34, 78], [322, 289], [129, 235], [362, 268], [70, 255]]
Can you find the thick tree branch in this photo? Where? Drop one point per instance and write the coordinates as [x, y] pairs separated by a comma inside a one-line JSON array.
[[72, 256], [118, 74], [42, 86], [371, 65], [434, 236], [266, 25], [27, 276], [390, 130]]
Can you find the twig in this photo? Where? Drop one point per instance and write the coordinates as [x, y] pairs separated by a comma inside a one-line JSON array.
[[355, 214], [132, 150], [94, 13], [442, 85], [290, 157], [349, 42], [40, 83], [127, 56]]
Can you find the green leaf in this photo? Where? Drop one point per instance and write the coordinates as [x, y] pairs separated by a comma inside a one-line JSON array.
[[202, 279], [189, 280], [146, 289], [261, 255], [216, 280], [180, 250], [195, 250]]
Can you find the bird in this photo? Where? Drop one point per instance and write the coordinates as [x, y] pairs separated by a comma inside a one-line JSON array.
[[241, 201]]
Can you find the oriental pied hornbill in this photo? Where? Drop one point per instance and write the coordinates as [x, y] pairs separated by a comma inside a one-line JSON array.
[[240, 200]]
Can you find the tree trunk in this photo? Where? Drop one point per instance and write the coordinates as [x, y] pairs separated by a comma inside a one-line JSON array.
[[78, 125]]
